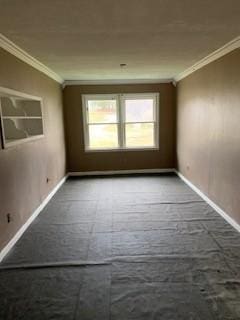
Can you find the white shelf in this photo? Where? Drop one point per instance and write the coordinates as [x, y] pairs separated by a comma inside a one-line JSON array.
[[21, 117]]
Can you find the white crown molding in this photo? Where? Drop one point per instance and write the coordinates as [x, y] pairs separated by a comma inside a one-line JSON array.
[[12, 48], [114, 82], [228, 47]]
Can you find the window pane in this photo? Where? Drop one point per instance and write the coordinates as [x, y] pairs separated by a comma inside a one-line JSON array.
[[139, 135], [103, 136], [139, 110], [102, 111]]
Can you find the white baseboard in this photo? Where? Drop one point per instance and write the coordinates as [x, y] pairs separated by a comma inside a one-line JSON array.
[[230, 220], [20, 232], [118, 172]]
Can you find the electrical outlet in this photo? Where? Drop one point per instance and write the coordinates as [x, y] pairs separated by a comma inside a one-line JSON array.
[[9, 218]]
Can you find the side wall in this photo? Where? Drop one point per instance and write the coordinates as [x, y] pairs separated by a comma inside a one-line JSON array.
[[208, 131], [24, 169], [79, 160]]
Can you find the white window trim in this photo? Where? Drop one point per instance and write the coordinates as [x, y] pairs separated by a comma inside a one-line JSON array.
[[120, 120]]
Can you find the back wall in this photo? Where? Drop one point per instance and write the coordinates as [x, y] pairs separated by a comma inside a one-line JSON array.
[[79, 160]]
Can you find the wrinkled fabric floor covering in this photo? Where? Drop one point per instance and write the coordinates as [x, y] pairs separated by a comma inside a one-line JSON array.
[[124, 248]]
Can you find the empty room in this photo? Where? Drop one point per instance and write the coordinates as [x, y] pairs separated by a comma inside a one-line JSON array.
[[120, 160]]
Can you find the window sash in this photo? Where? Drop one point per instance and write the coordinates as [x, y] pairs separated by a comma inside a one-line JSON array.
[[105, 148], [140, 96], [101, 98], [141, 147], [120, 119]]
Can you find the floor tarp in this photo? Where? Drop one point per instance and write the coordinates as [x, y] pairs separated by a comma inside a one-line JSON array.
[[124, 248]]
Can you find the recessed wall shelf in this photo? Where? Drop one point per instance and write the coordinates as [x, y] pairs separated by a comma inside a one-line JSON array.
[[21, 117]]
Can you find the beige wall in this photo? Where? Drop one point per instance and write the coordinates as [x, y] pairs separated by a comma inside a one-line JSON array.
[[25, 168], [78, 160], [208, 131]]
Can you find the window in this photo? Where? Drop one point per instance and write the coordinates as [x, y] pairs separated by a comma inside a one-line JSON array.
[[120, 121]]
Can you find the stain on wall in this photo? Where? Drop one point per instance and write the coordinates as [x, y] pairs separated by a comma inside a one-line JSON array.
[[208, 131], [79, 160], [28, 172]]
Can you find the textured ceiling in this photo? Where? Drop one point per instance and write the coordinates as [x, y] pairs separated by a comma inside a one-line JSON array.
[[88, 39]]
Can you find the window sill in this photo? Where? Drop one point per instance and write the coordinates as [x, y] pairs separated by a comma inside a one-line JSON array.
[[122, 149]]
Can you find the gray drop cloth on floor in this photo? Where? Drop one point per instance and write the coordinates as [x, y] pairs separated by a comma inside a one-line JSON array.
[[124, 248]]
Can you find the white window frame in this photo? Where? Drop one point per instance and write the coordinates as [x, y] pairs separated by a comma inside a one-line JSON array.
[[120, 98]]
